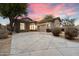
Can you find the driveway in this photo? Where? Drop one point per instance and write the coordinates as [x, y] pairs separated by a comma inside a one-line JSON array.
[[42, 44]]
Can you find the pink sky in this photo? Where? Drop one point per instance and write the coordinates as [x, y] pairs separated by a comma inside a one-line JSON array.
[[38, 10]]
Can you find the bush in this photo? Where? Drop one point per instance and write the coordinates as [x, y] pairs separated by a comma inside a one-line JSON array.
[[3, 32], [48, 30], [56, 31], [71, 32]]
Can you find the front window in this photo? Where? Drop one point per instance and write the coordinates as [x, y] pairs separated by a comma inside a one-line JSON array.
[[33, 26], [22, 26]]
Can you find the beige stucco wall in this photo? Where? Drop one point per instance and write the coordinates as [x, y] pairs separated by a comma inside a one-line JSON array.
[[43, 26], [56, 23]]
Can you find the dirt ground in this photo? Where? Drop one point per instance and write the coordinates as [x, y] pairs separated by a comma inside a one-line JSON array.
[[5, 45]]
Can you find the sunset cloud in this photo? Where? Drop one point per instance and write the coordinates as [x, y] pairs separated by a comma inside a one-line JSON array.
[[38, 10], [70, 12]]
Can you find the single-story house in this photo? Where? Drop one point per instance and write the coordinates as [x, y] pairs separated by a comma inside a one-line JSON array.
[[55, 22], [26, 24]]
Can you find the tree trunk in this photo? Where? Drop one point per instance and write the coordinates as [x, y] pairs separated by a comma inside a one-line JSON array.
[[11, 24], [16, 26]]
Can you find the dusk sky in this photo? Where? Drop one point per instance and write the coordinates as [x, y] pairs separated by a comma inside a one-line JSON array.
[[37, 11]]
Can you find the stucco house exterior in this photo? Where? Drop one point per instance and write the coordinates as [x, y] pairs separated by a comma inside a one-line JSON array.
[[43, 26], [55, 22], [25, 23]]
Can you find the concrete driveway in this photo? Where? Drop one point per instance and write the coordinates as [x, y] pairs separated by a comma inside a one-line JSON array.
[[42, 44]]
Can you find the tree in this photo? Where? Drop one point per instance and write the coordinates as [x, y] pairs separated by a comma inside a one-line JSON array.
[[68, 21], [47, 18], [11, 10], [69, 28]]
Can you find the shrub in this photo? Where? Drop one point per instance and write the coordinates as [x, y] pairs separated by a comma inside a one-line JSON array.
[[71, 32], [48, 30], [3, 32], [56, 31]]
